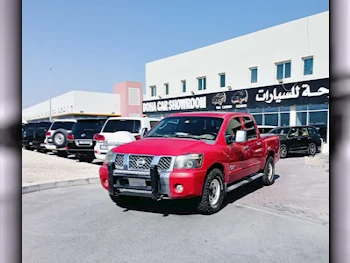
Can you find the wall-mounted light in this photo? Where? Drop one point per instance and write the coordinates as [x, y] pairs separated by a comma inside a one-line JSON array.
[[192, 92], [159, 97], [229, 88], [280, 81]]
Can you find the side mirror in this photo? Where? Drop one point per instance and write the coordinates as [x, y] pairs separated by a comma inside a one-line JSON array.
[[241, 136], [143, 132]]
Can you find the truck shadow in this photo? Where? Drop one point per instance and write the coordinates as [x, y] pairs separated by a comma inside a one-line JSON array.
[[187, 207]]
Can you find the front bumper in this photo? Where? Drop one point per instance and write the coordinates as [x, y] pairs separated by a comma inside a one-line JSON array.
[[157, 185]]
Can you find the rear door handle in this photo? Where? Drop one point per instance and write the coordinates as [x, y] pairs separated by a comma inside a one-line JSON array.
[[246, 147]]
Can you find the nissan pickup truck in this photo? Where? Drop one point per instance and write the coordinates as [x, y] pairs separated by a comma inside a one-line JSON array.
[[200, 156]]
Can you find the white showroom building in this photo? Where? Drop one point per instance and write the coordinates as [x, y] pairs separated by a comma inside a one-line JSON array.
[[74, 104], [126, 100], [279, 74]]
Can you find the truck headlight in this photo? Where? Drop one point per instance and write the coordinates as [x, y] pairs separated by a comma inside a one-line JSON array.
[[109, 157], [189, 161]]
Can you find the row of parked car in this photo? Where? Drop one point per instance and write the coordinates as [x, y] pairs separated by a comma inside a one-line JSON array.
[[86, 138], [92, 138]]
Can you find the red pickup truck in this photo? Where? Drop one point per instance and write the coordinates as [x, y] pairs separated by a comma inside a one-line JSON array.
[[201, 155]]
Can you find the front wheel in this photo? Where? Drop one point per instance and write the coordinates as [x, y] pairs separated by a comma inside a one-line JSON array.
[[268, 177], [283, 151], [213, 193]]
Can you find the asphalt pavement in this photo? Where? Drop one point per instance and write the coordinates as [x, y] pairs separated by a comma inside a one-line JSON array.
[[285, 222]]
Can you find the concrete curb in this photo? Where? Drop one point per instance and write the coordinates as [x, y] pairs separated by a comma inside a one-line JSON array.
[[59, 184]]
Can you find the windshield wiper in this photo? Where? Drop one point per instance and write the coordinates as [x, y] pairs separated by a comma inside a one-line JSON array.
[[189, 136]]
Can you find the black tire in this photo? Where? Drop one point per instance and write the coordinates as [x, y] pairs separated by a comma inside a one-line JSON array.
[[124, 201], [59, 138], [283, 151], [205, 206], [28, 148], [312, 149], [63, 154], [268, 177], [85, 159]]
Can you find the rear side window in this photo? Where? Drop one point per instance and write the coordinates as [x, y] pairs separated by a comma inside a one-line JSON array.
[[88, 125], [304, 131], [312, 131], [132, 126], [233, 126], [153, 123], [66, 125], [250, 128]]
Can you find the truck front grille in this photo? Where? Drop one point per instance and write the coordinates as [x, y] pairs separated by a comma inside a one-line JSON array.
[[139, 162], [164, 163], [119, 159], [143, 162]]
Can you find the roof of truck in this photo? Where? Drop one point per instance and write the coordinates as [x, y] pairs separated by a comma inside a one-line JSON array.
[[218, 114]]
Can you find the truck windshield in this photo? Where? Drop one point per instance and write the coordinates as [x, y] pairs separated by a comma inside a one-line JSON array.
[[132, 126], [193, 127]]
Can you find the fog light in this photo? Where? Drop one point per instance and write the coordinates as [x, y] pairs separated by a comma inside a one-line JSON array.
[[179, 188]]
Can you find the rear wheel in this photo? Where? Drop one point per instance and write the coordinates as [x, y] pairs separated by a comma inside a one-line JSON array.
[[312, 149], [213, 193], [268, 177], [124, 201]]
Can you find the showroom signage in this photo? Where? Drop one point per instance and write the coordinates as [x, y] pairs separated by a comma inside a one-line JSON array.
[[301, 93], [182, 104]]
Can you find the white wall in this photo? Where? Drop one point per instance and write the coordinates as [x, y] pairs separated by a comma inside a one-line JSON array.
[[290, 41], [96, 102], [74, 102]]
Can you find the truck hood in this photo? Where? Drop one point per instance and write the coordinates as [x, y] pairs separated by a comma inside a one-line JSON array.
[[163, 146]]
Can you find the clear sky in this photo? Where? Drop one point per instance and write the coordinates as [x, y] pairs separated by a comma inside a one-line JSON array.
[[92, 44]]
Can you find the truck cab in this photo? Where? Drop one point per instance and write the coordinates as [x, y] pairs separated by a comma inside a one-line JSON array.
[[191, 155]]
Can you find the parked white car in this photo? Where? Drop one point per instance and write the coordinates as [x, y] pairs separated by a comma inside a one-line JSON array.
[[56, 136], [120, 130]]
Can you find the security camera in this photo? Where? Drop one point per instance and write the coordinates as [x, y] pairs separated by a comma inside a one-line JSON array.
[[229, 88], [280, 81], [192, 92]]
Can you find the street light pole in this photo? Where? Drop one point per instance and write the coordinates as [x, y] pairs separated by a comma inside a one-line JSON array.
[[50, 115]]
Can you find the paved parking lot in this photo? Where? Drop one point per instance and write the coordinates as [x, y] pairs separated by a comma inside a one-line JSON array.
[[286, 222]]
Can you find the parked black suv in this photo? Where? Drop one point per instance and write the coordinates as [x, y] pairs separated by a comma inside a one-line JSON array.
[[298, 139], [39, 136], [80, 140], [32, 134]]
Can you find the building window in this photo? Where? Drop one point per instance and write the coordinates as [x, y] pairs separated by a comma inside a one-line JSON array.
[[283, 70], [271, 119], [222, 80], [202, 83], [301, 118], [308, 66], [253, 75], [183, 86], [153, 91], [258, 119], [166, 89], [284, 119]]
